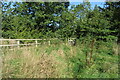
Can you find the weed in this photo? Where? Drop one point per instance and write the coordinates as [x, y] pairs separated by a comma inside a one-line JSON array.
[[59, 61]]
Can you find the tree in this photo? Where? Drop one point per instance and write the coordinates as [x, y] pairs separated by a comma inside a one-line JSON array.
[[112, 10], [28, 18]]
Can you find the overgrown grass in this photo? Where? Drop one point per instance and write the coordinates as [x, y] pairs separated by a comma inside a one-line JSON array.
[[60, 61]]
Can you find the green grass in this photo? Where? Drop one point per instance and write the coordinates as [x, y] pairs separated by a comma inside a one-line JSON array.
[[59, 61]]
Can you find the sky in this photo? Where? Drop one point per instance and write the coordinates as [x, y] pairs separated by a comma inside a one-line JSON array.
[[87, 0], [76, 2], [101, 4], [93, 2], [55, 0]]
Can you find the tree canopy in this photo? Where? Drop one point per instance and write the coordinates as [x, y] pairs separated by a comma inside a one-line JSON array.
[[56, 20]]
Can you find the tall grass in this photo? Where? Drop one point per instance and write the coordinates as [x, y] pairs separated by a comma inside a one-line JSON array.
[[60, 61]]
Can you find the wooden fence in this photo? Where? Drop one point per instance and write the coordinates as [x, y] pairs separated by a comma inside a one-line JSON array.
[[17, 42]]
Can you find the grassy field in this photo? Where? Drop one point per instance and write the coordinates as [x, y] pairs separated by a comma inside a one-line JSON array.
[[60, 61]]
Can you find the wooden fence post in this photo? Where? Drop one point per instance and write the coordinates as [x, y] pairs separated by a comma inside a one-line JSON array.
[[36, 42], [49, 42], [18, 43]]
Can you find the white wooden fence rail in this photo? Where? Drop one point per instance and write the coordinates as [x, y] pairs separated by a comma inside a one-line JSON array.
[[17, 42]]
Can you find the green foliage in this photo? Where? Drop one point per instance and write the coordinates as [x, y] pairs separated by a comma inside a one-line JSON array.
[[26, 20], [112, 10], [68, 61], [55, 20], [48, 20]]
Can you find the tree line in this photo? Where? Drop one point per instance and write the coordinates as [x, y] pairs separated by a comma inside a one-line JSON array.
[[57, 20]]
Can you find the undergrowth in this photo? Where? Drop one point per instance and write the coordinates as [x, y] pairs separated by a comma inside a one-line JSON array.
[[61, 61]]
